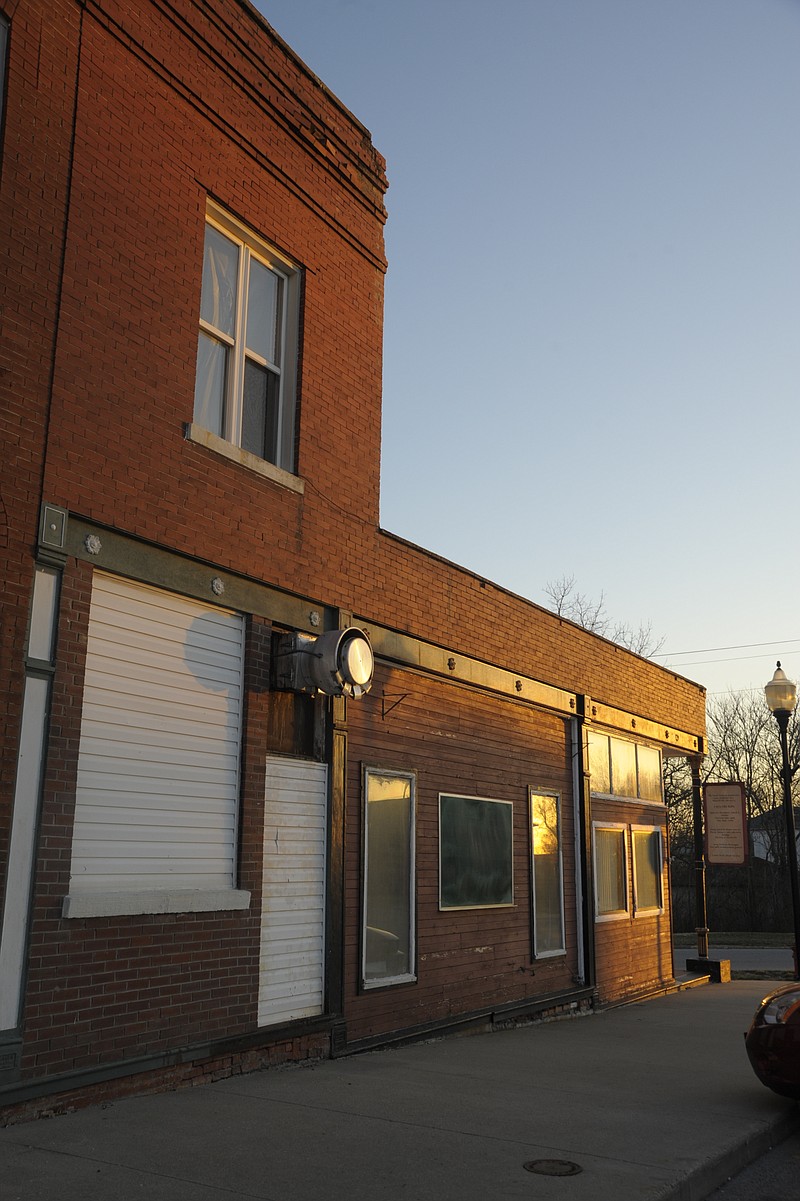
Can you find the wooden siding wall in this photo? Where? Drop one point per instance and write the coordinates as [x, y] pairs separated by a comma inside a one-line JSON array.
[[460, 741], [633, 953]]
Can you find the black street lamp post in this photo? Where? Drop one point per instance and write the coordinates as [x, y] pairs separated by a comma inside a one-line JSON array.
[[781, 696]]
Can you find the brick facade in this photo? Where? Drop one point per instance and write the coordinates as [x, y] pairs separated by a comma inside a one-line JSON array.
[[121, 123]]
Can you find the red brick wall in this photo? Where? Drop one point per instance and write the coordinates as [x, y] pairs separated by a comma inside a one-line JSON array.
[[34, 173], [240, 121], [150, 149]]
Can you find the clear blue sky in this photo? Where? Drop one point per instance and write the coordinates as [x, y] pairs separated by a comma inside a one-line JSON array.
[[592, 328]]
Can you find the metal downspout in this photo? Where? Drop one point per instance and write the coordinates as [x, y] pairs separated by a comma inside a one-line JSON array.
[[582, 808]]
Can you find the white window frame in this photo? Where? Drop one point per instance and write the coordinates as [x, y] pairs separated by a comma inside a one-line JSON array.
[[368, 981], [615, 914], [648, 910], [556, 796], [251, 246]]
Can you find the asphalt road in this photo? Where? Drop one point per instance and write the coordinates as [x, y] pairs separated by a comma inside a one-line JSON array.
[[745, 959]]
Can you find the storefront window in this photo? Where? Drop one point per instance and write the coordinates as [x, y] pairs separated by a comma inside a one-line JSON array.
[[548, 892], [388, 914]]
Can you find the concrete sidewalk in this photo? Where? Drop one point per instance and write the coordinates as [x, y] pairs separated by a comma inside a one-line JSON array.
[[653, 1100]]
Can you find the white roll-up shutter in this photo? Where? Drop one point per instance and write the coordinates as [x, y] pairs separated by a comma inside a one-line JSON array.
[[291, 983], [158, 766]]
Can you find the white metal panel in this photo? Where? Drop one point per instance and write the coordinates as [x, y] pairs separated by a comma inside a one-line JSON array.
[[27, 790], [13, 932], [158, 765], [291, 982]]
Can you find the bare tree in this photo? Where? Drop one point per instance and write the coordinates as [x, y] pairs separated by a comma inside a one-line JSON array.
[[591, 614], [576, 606], [742, 744], [679, 800]]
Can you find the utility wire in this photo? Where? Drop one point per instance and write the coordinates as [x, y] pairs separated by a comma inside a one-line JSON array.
[[708, 662], [709, 650]]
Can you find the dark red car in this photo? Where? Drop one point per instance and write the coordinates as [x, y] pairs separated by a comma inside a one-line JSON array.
[[773, 1041]]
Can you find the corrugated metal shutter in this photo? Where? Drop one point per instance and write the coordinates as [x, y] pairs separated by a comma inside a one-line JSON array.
[[158, 765], [291, 981]]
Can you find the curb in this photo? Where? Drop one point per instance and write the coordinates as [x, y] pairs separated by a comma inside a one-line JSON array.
[[703, 1180]]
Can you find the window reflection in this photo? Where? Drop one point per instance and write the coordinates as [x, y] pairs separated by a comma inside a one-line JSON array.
[[548, 903]]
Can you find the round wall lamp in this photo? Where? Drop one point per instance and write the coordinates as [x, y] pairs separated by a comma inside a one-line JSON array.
[[337, 663]]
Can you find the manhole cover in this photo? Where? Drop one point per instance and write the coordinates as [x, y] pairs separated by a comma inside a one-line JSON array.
[[553, 1167]]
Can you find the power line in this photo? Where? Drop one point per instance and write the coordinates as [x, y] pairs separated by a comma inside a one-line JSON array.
[[710, 650], [733, 691], [709, 662]]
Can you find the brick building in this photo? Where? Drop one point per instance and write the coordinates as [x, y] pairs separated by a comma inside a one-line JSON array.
[[274, 782]]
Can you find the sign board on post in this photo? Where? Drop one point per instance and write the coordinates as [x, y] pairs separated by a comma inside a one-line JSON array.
[[725, 823]]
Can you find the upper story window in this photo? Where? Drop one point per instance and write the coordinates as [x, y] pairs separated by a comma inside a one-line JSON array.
[[625, 769], [247, 350]]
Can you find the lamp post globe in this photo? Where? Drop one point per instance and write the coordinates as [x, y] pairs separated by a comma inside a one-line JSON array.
[[781, 694]]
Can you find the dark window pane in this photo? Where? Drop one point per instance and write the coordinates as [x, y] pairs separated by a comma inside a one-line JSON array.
[[263, 313], [260, 412], [476, 842]]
